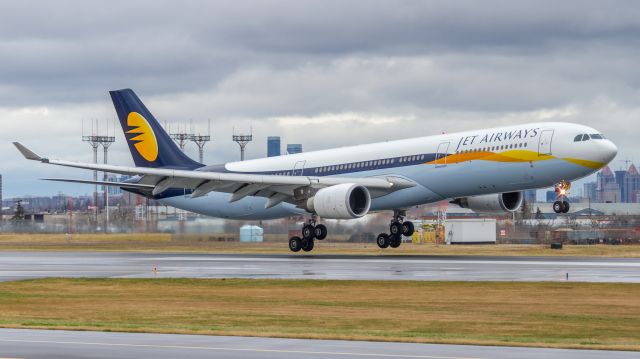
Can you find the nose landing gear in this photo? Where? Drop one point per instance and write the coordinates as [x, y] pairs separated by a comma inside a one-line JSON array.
[[561, 205], [397, 229]]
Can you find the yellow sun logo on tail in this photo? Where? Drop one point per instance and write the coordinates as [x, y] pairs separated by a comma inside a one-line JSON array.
[[145, 141]]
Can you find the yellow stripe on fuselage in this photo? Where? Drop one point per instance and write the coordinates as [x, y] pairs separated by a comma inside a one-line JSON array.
[[586, 163], [510, 156]]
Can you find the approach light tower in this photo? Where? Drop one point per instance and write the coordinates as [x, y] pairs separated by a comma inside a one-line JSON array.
[[181, 139], [106, 141], [96, 141], [93, 142], [201, 141], [242, 141]]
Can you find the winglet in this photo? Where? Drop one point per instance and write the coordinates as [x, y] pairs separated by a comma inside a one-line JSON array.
[[27, 153]]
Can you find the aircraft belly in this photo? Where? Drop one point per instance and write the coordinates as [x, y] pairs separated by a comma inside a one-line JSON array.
[[216, 204]]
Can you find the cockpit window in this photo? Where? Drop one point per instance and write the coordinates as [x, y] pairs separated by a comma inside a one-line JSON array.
[[597, 136], [578, 138], [585, 137]]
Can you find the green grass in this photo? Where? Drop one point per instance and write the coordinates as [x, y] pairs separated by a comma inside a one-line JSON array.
[[567, 315]]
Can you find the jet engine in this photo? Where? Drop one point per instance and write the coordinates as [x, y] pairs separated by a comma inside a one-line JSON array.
[[492, 203], [342, 201]]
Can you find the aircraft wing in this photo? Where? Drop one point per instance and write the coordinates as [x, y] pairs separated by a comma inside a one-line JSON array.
[[276, 188]]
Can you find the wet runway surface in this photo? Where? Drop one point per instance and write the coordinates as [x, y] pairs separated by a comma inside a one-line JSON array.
[[23, 343], [29, 265]]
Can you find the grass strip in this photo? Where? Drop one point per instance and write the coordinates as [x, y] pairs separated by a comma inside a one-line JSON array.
[[562, 315], [158, 242]]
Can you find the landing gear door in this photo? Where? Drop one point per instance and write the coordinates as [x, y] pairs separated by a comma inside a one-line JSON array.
[[544, 146], [441, 154], [298, 169]]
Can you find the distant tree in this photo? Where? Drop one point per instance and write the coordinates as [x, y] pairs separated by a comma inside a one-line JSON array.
[[539, 214], [18, 215]]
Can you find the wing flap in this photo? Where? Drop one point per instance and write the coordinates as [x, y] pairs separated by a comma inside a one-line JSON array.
[[101, 183]]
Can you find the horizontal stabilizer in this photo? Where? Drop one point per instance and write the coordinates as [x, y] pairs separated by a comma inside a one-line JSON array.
[[101, 183]]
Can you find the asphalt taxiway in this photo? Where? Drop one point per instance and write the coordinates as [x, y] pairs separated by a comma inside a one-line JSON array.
[[29, 265], [33, 344]]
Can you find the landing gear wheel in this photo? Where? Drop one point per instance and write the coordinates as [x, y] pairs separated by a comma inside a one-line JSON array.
[[383, 240], [320, 232], [565, 207], [558, 207], [395, 228], [308, 232], [307, 245], [407, 228], [295, 244], [395, 241]]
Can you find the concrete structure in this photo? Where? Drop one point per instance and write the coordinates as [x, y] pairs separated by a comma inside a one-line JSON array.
[[273, 146], [293, 148], [470, 231]]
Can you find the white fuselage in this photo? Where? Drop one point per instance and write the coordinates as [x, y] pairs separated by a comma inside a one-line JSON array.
[[471, 163]]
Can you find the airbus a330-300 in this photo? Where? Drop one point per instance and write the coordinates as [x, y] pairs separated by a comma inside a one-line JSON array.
[[484, 170]]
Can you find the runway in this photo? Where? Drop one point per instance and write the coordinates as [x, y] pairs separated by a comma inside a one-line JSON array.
[[30, 265], [33, 344]]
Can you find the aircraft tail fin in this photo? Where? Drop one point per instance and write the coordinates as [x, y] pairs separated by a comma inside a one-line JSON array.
[[149, 143]]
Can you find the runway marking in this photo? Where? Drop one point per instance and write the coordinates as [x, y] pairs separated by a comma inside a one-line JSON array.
[[283, 351], [404, 261]]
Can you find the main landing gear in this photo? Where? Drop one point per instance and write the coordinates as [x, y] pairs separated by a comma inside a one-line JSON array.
[[561, 205], [310, 232], [397, 229]]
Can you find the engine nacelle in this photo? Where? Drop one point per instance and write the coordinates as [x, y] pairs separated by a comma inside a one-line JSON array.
[[342, 201], [492, 203]]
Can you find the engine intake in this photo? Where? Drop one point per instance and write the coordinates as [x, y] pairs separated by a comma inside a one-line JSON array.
[[342, 201], [492, 203]]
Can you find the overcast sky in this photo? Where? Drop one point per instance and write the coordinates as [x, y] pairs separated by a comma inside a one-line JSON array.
[[323, 73]]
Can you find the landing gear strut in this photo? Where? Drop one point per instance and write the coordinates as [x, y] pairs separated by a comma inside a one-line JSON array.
[[310, 232], [561, 205], [397, 229]]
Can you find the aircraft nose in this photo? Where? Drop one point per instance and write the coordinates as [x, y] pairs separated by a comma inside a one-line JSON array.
[[607, 150]]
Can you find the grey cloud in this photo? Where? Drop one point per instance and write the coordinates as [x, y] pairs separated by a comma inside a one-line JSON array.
[[431, 66]]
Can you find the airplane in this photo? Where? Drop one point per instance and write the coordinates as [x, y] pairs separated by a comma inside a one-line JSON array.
[[485, 170]]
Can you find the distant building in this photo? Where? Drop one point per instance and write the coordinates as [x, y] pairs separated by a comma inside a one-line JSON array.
[[294, 148], [631, 185], [114, 190], [620, 178], [607, 190], [530, 196], [273, 146], [551, 196], [589, 191]]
